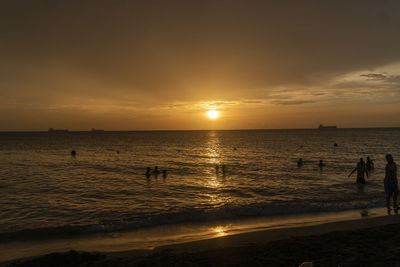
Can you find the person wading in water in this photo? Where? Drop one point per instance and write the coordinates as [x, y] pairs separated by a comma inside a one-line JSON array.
[[361, 169]]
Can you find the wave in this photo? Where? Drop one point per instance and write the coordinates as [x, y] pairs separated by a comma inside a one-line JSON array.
[[226, 212]]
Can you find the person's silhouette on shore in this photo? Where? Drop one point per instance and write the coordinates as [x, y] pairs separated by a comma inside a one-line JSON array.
[[390, 183], [148, 172], [369, 164], [361, 169], [156, 172], [321, 164], [300, 162]]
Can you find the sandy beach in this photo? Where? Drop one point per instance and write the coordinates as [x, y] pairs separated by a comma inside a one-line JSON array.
[[361, 242]]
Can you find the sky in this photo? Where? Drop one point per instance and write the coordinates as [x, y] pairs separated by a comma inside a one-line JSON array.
[[161, 65]]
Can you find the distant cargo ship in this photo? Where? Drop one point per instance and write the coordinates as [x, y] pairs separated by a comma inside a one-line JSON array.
[[97, 130], [327, 127], [51, 130]]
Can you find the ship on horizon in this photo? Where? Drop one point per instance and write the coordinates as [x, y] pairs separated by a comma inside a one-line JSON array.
[[327, 127], [51, 130]]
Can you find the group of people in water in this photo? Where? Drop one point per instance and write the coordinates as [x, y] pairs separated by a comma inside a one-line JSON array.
[[390, 181], [300, 163], [364, 168], [361, 168], [155, 172], [149, 171]]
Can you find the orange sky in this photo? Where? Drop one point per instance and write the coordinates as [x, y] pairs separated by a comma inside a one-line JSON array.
[[137, 65]]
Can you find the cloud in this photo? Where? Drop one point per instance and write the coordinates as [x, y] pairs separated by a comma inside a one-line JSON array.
[[292, 102], [374, 76], [390, 79]]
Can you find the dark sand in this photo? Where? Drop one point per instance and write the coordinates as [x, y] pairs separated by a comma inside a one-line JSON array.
[[363, 242]]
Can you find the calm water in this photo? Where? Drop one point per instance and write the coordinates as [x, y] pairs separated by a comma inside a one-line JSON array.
[[42, 186]]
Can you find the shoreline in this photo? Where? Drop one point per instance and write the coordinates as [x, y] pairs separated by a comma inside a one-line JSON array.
[[242, 240], [165, 235], [266, 236]]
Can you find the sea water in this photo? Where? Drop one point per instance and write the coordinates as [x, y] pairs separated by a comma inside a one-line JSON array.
[[46, 191]]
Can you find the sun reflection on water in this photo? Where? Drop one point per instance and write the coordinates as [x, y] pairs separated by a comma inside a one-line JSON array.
[[213, 154], [213, 148], [219, 230]]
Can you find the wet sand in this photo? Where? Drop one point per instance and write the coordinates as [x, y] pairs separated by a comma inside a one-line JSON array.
[[362, 242]]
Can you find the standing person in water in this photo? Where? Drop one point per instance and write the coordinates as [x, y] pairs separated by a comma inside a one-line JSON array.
[[390, 183], [369, 164], [148, 172], [300, 162], [321, 164], [361, 169]]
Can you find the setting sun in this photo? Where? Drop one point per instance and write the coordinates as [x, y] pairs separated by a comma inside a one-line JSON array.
[[212, 114]]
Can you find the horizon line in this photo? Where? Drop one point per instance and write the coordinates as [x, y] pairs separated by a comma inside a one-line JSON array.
[[191, 130]]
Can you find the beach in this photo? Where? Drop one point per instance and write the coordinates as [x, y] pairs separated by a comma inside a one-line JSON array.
[[359, 242]]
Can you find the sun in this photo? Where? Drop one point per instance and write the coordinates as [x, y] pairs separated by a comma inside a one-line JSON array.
[[213, 114]]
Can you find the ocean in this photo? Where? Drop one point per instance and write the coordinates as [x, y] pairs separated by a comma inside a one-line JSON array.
[[46, 191]]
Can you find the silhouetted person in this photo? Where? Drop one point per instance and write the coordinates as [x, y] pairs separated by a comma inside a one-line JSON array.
[[369, 164], [148, 172], [164, 174], [361, 169], [156, 172], [300, 162], [335, 144], [223, 169], [390, 183], [216, 168], [73, 153], [321, 164]]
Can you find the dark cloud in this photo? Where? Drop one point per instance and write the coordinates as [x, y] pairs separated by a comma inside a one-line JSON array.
[[374, 76], [393, 79], [292, 102], [253, 101]]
